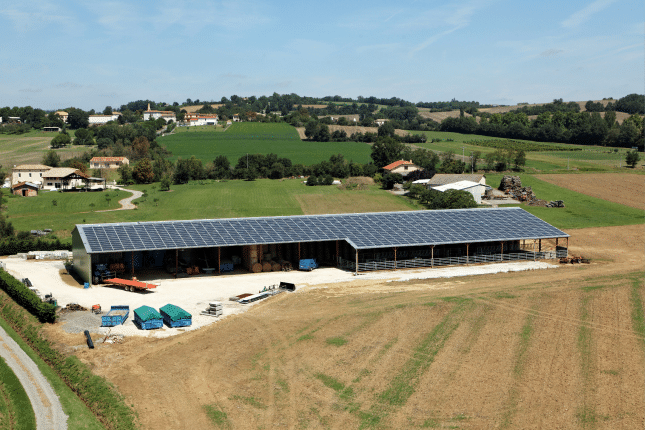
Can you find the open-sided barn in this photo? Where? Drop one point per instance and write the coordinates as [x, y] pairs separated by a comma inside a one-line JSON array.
[[356, 242]]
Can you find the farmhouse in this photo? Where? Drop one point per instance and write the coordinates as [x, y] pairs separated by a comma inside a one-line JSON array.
[[103, 119], [108, 162], [25, 189], [168, 116], [354, 242], [62, 114], [64, 178], [202, 120], [474, 188], [402, 167], [28, 172]]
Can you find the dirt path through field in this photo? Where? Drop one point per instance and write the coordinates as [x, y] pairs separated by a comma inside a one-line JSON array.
[[626, 189]]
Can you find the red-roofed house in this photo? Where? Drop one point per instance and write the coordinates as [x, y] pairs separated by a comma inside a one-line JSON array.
[[108, 162], [402, 167], [202, 120]]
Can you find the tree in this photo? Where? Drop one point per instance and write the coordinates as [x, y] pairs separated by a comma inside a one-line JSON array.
[[103, 143], [77, 118], [632, 158], [140, 145], [51, 159], [143, 173], [125, 171], [165, 183], [458, 199], [390, 179], [628, 135], [312, 181], [107, 110], [385, 151], [83, 136], [519, 159], [387, 129], [474, 157], [61, 140]]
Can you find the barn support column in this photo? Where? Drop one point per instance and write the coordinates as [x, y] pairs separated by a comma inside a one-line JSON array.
[[395, 258], [501, 257], [132, 262], [176, 262], [219, 263], [534, 250], [432, 256], [540, 245], [356, 267], [467, 253], [337, 255], [567, 246], [298, 254]]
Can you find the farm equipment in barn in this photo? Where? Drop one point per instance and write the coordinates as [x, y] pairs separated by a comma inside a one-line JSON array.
[[308, 264], [101, 273]]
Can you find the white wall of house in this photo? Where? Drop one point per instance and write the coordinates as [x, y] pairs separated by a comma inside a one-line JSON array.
[[102, 119], [405, 169], [33, 176]]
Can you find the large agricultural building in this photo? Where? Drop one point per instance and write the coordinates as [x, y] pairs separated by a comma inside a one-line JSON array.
[[355, 242]]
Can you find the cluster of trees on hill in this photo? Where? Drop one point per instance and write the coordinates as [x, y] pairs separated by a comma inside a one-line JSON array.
[[580, 128]]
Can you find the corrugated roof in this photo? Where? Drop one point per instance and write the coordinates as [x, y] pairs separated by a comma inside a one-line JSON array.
[[20, 184], [106, 159], [146, 313], [175, 313], [448, 178], [461, 185], [361, 231]]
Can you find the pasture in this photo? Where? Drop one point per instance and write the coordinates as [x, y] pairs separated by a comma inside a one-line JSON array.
[[29, 148], [196, 200], [258, 138], [563, 157], [15, 409]]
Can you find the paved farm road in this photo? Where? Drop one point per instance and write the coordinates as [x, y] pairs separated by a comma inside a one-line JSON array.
[[44, 401]]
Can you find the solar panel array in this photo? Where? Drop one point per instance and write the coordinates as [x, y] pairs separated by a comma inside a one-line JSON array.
[[361, 231]]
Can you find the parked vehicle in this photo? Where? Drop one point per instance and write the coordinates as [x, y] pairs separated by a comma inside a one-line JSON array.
[[308, 264], [116, 316]]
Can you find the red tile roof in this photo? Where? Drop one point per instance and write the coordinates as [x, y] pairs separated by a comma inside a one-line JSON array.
[[106, 159], [397, 164]]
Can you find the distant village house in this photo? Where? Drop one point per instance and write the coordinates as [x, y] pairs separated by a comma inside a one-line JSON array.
[[402, 167], [168, 116], [108, 162]]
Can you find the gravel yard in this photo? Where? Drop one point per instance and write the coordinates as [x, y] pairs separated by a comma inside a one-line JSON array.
[[195, 293]]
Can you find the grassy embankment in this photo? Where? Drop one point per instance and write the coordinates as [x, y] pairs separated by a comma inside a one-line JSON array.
[[79, 415], [258, 138], [15, 409]]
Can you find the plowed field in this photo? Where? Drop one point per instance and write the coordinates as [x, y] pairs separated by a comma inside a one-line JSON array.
[[562, 348], [627, 190]]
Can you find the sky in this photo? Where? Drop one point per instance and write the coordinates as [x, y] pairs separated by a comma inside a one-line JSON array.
[[90, 54]]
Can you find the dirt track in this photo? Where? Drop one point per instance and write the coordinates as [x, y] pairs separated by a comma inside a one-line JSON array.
[[332, 356], [616, 187]]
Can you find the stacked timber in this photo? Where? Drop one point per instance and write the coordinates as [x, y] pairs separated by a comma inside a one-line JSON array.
[[275, 266], [266, 266], [512, 185], [214, 309], [117, 267]]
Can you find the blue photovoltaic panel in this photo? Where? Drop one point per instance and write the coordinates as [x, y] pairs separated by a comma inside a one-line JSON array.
[[361, 231]]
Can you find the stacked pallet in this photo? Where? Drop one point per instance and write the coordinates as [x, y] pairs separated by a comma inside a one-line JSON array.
[[214, 309], [117, 267]]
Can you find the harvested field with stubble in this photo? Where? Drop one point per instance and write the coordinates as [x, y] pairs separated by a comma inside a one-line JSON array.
[[559, 348], [620, 188]]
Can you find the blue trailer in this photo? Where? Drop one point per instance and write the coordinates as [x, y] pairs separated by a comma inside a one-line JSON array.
[[116, 316], [147, 318], [308, 264]]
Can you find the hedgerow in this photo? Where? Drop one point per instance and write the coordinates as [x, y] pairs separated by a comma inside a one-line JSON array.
[[26, 298]]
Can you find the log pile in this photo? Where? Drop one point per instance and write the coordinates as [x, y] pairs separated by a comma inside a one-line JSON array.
[[512, 185], [117, 267]]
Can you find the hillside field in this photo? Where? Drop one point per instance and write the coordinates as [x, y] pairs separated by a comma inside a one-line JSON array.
[[196, 200], [259, 138]]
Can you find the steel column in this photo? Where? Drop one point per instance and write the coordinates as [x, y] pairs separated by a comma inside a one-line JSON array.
[[432, 257], [176, 262], [132, 262], [395, 258], [501, 258], [219, 263], [467, 253], [356, 267]]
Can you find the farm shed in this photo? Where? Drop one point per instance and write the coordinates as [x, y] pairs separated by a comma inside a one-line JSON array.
[[356, 242], [25, 189], [474, 188]]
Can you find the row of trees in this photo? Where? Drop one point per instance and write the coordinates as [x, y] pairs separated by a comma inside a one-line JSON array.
[[580, 128]]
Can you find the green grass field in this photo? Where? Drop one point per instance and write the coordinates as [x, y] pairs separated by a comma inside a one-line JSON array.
[[589, 158], [29, 148], [580, 210], [15, 408], [258, 138], [199, 199]]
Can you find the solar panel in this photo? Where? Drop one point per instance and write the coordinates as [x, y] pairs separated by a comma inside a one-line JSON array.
[[362, 231]]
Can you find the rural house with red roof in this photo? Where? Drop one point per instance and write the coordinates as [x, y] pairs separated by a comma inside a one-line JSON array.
[[403, 167], [108, 162]]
